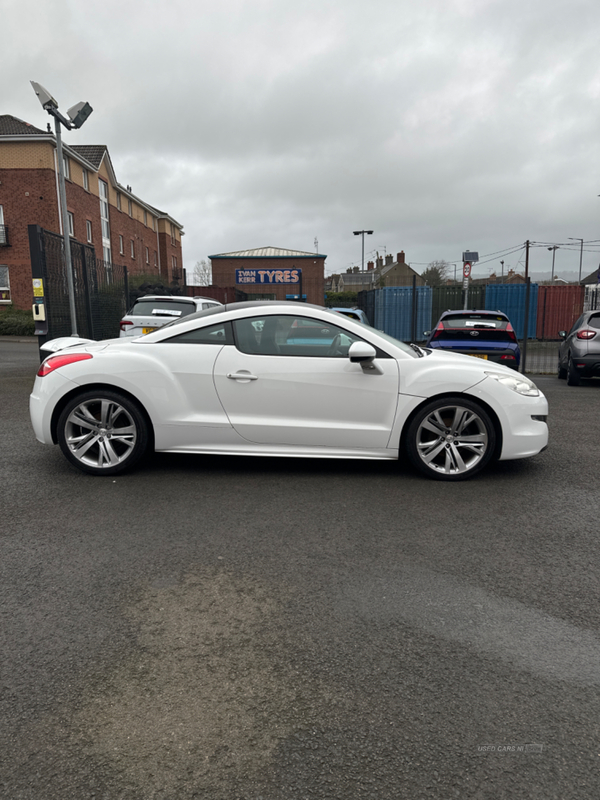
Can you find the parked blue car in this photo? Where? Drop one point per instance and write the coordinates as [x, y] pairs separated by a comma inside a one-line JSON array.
[[353, 313], [484, 334]]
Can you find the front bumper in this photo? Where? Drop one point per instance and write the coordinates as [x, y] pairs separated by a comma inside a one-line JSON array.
[[523, 435]]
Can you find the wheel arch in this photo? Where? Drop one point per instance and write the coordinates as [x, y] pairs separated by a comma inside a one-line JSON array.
[[90, 387], [445, 395]]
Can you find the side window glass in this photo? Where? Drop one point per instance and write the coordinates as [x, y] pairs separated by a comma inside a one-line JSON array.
[[594, 321], [211, 334], [292, 336]]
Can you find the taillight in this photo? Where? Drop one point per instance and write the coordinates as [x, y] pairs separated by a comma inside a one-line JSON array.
[[124, 323], [439, 328], [587, 334], [511, 332], [54, 362], [507, 358]]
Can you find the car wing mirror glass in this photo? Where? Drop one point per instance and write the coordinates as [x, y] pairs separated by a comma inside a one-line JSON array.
[[562, 334], [426, 333], [361, 351]]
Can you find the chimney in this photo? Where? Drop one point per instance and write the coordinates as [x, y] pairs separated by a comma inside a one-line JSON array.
[[370, 265], [355, 270], [400, 257], [389, 259], [379, 262]]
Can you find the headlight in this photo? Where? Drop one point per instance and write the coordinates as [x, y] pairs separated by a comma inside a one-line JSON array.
[[520, 384]]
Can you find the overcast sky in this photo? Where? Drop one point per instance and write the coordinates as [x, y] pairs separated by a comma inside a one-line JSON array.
[[443, 125]]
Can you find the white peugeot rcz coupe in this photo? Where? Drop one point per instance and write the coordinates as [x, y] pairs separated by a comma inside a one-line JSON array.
[[282, 379]]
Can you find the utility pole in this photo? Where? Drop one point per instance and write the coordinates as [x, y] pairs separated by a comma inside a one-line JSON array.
[[526, 315], [578, 239]]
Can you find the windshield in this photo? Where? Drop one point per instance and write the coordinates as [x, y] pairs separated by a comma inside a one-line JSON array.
[[161, 307], [396, 342]]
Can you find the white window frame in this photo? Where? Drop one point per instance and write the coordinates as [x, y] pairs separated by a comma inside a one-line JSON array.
[[7, 287], [174, 262], [119, 200], [88, 230], [121, 247], [86, 179], [145, 218], [147, 256], [66, 168], [129, 207], [2, 232], [104, 219], [132, 249], [71, 223], [155, 259]]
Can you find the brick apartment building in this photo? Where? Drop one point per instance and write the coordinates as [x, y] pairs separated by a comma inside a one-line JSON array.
[[122, 228], [272, 260]]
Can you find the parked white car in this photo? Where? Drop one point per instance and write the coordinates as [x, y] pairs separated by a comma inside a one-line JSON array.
[[286, 379], [151, 312]]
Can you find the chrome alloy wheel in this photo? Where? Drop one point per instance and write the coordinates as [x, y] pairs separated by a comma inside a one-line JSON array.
[[452, 440], [100, 433]]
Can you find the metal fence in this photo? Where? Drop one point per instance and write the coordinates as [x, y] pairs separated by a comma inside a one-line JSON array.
[[100, 288], [407, 312]]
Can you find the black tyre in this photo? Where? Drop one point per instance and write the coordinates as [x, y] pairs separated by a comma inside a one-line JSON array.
[[102, 432], [451, 439], [573, 377]]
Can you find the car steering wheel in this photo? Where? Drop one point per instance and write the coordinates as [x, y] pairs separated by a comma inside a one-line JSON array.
[[335, 346]]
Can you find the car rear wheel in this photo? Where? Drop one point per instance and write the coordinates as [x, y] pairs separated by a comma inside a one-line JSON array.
[[573, 377], [102, 432], [451, 439]]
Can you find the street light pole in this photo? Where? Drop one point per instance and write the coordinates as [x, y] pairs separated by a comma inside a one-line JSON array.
[[577, 239], [77, 116], [362, 233], [502, 266], [554, 248]]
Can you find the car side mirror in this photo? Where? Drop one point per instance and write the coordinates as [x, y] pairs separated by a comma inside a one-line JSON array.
[[361, 351], [562, 334], [426, 333]]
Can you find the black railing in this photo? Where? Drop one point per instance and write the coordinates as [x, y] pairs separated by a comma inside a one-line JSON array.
[[4, 241]]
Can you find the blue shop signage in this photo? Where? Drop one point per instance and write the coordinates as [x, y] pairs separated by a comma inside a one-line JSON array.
[[255, 276]]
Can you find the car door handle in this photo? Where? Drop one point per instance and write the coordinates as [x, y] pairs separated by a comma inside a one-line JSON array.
[[242, 376]]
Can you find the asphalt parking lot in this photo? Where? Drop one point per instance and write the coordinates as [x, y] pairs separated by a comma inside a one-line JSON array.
[[232, 628]]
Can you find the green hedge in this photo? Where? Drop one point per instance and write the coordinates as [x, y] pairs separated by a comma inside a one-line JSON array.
[[15, 322], [342, 299]]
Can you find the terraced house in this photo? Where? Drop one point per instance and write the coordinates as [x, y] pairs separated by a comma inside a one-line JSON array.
[[121, 227]]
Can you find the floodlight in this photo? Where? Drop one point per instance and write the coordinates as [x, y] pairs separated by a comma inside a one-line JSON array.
[[44, 95], [79, 113]]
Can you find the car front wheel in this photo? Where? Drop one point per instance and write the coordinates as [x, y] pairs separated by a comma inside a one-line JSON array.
[[451, 439], [102, 432]]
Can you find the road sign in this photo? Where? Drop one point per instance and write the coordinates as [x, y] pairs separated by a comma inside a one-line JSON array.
[[467, 269]]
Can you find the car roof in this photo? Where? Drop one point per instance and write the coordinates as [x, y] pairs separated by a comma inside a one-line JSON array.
[[464, 311]]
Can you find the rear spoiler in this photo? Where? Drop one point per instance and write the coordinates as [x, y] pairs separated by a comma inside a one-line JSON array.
[[54, 345]]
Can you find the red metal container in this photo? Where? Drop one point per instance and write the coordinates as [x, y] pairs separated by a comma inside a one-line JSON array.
[[557, 309]]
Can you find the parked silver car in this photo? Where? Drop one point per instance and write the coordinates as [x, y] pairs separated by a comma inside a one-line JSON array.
[[151, 312], [579, 353]]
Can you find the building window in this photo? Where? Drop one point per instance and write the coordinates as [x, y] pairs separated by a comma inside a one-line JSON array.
[[119, 200], [86, 180], [153, 224], [3, 233], [146, 218], [121, 249], [70, 223], [174, 262], [147, 256], [104, 219], [66, 168], [130, 208], [155, 259], [132, 249], [173, 239], [88, 226], [4, 285]]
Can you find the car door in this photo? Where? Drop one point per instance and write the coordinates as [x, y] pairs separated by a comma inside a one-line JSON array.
[[288, 380]]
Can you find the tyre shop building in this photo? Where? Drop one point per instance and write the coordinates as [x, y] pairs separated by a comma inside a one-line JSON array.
[[272, 273]]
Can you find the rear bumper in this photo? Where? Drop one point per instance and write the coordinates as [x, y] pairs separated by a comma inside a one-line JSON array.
[[507, 356], [591, 365]]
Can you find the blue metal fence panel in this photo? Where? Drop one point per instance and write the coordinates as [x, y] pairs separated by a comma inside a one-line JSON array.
[[510, 299], [392, 312]]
